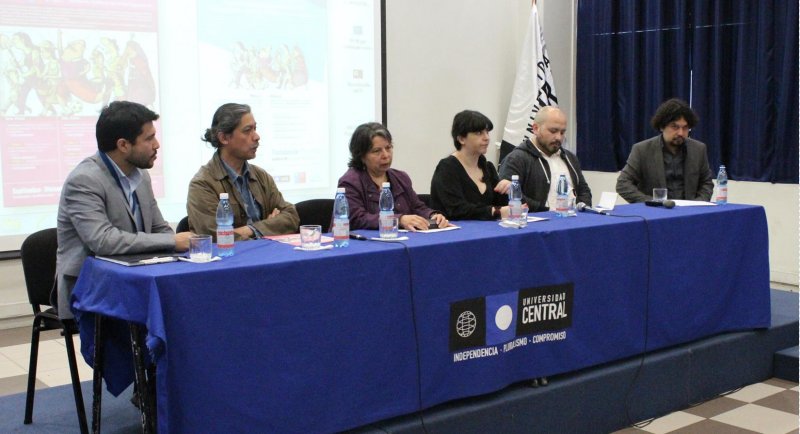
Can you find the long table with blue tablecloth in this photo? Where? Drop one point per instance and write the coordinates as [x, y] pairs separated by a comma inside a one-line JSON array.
[[275, 339]]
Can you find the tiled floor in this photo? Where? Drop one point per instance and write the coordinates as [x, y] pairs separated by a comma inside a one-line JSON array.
[[52, 368], [768, 407]]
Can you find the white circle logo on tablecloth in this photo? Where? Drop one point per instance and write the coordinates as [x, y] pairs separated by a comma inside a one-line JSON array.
[[503, 317], [466, 324]]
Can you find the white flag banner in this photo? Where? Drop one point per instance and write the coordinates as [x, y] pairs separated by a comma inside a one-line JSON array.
[[533, 87]]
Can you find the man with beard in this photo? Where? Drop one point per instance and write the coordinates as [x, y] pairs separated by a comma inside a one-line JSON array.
[[540, 160], [258, 206], [670, 160], [107, 206]]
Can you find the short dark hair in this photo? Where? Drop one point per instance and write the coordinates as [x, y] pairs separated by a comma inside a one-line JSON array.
[[361, 142], [469, 121], [121, 120], [226, 119], [672, 110]]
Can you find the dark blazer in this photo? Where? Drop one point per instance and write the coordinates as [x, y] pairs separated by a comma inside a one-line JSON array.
[[644, 171]]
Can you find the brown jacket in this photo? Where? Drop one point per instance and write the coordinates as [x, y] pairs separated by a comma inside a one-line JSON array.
[[212, 179]]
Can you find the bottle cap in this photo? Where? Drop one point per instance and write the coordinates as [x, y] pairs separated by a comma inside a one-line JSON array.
[[385, 185], [223, 195], [515, 177], [340, 190]]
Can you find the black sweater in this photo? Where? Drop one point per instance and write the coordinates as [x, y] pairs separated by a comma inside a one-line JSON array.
[[454, 193]]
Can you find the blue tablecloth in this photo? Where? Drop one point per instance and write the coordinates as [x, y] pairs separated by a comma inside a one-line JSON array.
[[275, 339], [270, 340]]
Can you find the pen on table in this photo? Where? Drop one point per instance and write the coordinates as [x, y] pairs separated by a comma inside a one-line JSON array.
[[358, 237]]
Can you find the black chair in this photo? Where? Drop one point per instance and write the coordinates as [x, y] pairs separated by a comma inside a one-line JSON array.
[[505, 149], [39, 266], [183, 225], [316, 212], [425, 198]]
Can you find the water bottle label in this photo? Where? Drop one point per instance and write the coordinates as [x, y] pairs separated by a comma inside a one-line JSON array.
[[341, 229], [224, 238], [514, 211], [387, 226], [562, 205], [722, 193]]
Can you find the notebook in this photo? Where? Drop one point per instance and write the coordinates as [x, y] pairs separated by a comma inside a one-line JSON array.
[[142, 258]]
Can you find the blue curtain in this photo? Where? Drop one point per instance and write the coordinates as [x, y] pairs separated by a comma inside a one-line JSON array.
[[734, 60], [745, 86]]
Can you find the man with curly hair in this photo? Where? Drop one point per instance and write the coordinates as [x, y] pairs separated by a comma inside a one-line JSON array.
[[669, 160]]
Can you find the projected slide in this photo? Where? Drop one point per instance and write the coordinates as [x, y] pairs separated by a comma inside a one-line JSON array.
[[275, 60], [310, 70], [56, 74]]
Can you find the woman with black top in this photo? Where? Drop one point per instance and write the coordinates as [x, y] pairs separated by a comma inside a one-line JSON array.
[[465, 186]]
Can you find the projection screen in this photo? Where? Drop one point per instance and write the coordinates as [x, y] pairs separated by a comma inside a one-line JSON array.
[[310, 70]]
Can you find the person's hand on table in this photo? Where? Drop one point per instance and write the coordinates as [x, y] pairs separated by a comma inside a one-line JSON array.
[[275, 212], [245, 232], [182, 241], [413, 222], [504, 211], [440, 220]]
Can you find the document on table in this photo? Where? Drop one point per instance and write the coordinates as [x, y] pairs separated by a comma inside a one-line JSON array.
[[389, 240], [532, 219], [682, 202], [607, 201], [142, 258], [507, 223], [294, 239], [430, 231]]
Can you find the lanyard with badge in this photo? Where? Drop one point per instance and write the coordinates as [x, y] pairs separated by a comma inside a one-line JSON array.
[[135, 205]]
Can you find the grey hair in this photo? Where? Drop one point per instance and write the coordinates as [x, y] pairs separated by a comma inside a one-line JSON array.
[[361, 142], [226, 118]]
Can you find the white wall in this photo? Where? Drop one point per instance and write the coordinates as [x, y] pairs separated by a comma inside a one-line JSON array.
[[444, 56], [450, 55]]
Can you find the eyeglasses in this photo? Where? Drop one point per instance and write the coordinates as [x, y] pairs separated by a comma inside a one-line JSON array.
[[675, 127]]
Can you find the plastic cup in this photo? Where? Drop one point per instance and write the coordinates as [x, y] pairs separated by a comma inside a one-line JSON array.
[[571, 210], [660, 194], [310, 236], [388, 226], [200, 248]]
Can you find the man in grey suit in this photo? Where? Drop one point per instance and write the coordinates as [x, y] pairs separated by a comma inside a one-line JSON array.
[[107, 206], [670, 160]]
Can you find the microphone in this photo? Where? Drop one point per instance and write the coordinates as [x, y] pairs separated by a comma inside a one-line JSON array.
[[582, 207], [665, 203]]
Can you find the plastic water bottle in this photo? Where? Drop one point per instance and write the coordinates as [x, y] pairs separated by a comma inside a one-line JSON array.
[[224, 226], [722, 186], [341, 219], [515, 201], [385, 228], [562, 198]]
